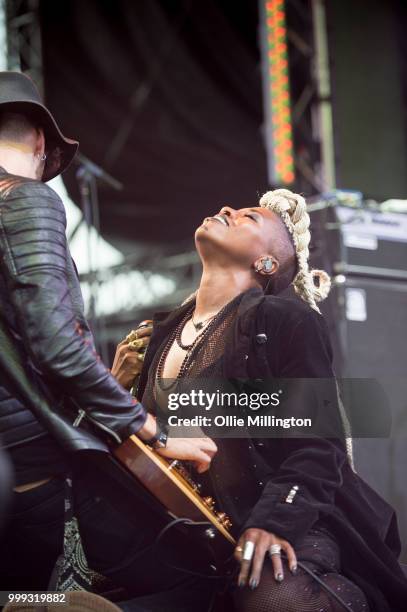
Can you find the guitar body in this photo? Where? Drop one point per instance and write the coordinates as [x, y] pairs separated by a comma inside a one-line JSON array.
[[172, 486]]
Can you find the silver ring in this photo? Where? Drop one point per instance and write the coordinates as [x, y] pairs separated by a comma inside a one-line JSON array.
[[275, 549], [248, 551]]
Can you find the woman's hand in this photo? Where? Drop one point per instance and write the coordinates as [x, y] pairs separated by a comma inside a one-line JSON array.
[[252, 564], [128, 360]]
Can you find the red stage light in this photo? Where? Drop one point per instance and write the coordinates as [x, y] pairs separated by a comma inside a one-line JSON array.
[[278, 87]]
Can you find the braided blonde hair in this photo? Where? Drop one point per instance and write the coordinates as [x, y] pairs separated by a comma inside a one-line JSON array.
[[292, 209]]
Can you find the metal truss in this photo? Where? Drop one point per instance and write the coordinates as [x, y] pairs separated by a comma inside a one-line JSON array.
[[24, 38], [132, 291], [310, 96]]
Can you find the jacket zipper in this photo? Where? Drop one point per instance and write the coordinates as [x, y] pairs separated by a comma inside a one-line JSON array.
[[79, 418], [83, 414]]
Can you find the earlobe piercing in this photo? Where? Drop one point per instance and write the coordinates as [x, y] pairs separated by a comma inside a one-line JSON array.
[[264, 265]]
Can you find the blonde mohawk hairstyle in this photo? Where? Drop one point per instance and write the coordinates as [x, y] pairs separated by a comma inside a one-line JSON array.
[[292, 209]]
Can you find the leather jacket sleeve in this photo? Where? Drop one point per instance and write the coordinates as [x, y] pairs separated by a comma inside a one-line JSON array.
[[313, 465], [35, 265]]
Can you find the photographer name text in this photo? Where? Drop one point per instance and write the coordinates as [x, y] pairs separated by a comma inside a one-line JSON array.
[[264, 420]]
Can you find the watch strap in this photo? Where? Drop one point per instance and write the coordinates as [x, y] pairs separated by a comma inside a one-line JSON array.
[[159, 440]]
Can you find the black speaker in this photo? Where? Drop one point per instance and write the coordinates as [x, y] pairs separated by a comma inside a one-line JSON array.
[[367, 318], [359, 241]]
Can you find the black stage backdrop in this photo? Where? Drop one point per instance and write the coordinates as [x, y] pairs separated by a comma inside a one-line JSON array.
[[166, 96]]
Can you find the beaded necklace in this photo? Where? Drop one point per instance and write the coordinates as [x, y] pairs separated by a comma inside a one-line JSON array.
[[190, 349]]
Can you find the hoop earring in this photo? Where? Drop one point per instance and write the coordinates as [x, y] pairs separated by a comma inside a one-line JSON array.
[[42, 157]]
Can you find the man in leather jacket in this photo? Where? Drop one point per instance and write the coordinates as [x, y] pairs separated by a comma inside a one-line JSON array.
[[41, 309]]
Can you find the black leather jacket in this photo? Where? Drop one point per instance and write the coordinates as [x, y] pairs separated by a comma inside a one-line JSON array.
[[41, 303]]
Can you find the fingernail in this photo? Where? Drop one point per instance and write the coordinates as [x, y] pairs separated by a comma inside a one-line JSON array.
[[253, 584], [241, 584], [294, 569], [279, 577]]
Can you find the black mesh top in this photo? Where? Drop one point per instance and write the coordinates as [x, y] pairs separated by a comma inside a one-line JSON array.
[[225, 479], [205, 360]]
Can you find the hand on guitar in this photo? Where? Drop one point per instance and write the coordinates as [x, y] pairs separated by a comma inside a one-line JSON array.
[[128, 360], [198, 450]]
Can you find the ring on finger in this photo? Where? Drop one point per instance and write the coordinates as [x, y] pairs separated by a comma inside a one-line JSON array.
[[248, 551], [136, 344], [140, 356], [275, 549], [133, 335]]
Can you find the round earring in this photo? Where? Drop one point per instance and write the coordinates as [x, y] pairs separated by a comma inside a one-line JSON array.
[[264, 265], [42, 157]]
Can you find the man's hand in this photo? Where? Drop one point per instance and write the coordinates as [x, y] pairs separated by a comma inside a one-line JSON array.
[[250, 569], [127, 363], [198, 450]]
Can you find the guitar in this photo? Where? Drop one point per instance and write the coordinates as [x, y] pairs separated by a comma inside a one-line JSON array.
[[169, 482]]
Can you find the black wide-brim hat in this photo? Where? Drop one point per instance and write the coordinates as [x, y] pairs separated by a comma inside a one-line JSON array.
[[18, 94]]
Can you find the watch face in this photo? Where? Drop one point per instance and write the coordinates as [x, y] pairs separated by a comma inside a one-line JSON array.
[[161, 440]]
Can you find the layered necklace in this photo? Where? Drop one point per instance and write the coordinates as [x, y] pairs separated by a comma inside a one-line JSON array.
[[197, 326], [189, 349]]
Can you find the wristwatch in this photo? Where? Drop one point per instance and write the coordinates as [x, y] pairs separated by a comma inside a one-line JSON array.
[[159, 440]]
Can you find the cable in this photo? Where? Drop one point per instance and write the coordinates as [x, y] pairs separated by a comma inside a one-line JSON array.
[[184, 521], [325, 586]]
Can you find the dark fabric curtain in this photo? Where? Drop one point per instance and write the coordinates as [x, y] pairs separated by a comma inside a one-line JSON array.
[[166, 96]]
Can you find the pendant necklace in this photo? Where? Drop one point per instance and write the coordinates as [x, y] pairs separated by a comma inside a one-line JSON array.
[[199, 326]]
